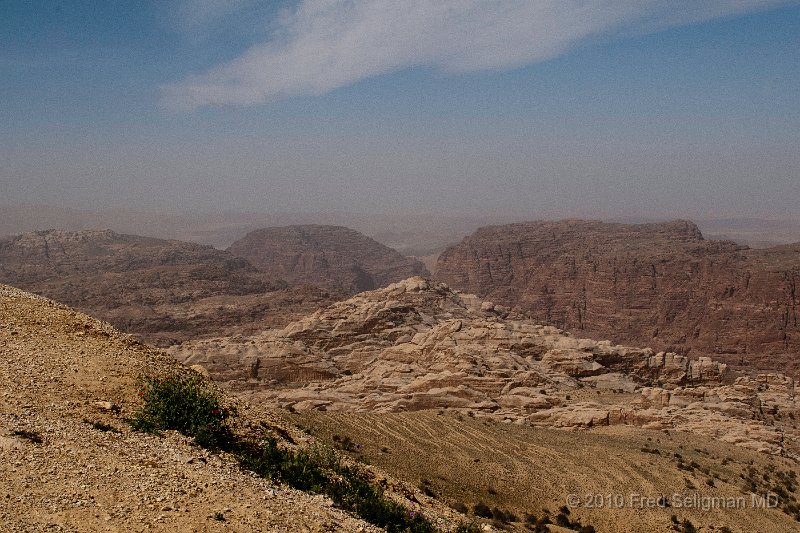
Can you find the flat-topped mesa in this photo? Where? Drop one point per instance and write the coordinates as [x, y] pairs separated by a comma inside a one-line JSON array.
[[659, 285], [334, 257]]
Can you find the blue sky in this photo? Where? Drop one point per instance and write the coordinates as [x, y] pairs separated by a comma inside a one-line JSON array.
[[554, 107]]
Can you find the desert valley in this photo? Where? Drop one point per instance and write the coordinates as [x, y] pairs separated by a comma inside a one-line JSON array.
[[539, 361], [427, 266]]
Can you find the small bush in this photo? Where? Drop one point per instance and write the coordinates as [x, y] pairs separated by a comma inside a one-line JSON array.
[[460, 507], [185, 403], [537, 525], [482, 510], [563, 521], [320, 472], [28, 435], [499, 515], [100, 426]]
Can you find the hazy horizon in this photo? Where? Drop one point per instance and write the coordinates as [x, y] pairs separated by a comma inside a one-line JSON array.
[[522, 109], [418, 235]]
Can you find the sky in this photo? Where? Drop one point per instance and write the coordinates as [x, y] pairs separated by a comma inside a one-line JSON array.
[[524, 108]]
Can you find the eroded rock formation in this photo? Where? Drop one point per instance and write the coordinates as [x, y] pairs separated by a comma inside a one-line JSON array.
[[418, 345], [658, 285]]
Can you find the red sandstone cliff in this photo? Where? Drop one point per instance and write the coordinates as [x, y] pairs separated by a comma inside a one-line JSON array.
[[660, 285]]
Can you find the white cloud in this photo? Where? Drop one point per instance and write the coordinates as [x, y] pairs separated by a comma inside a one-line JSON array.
[[326, 44], [194, 16]]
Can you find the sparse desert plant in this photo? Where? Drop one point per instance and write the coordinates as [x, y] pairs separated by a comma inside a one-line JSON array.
[[185, 403], [482, 510], [563, 521], [468, 527], [323, 473], [460, 507], [28, 435], [499, 515], [538, 525]]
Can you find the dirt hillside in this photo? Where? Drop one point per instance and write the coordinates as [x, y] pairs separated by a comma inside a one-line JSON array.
[[71, 463]]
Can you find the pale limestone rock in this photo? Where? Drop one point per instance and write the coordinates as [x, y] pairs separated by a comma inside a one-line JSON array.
[[418, 345]]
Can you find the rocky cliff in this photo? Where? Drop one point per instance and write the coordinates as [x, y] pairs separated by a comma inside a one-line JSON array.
[[166, 291], [659, 285], [418, 345], [333, 257]]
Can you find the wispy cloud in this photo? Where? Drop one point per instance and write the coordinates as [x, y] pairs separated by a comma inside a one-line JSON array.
[[322, 45], [194, 16]]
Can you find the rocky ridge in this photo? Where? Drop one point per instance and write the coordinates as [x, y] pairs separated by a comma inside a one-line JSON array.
[[164, 291], [70, 463], [418, 345], [660, 285], [333, 257], [69, 382]]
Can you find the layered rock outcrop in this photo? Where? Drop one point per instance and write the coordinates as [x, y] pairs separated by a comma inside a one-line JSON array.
[[659, 285], [166, 291], [333, 257], [418, 345]]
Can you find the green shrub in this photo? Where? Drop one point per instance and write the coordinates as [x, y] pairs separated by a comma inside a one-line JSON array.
[[184, 403], [319, 472]]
